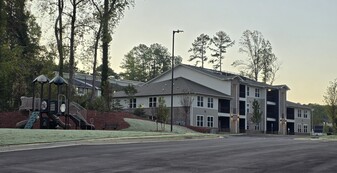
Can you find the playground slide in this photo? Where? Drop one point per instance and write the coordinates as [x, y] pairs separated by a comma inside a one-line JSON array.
[[21, 124], [81, 122], [31, 120], [58, 120]]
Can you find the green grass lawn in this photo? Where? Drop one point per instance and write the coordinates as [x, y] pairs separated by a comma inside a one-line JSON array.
[[137, 129], [28, 136], [329, 137], [150, 126]]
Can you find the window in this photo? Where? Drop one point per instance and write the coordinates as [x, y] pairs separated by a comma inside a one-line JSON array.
[[80, 91], [247, 91], [257, 92], [299, 113], [299, 128], [210, 121], [132, 103], [200, 102], [210, 103], [305, 115], [305, 128], [200, 120], [152, 102]]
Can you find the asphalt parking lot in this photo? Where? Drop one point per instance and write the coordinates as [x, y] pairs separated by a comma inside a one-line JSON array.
[[231, 154]]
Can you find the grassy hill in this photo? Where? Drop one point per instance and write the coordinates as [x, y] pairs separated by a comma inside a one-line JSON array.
[[150, 126]]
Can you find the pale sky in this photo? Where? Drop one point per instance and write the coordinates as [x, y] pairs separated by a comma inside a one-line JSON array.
[[303, 34]]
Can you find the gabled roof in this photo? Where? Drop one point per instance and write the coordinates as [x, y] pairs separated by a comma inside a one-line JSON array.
[[181, 86], [221, 75], [297, 105]]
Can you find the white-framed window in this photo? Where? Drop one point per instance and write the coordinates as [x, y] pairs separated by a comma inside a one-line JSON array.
[[200, 120], [200, 101], [133, 103], [299, 128], [247, 90], [305, 128], [152, 102], [299, 113], [305, 114], [210, 121], [257, 92], [210, 102]]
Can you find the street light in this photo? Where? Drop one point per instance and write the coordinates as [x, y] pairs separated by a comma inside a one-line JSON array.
[[174, 31], [312, 122]]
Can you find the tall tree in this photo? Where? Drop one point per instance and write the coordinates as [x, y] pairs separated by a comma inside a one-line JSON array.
[[77, 5], [220, 42], [330, 98], [143, 63], [58, 31], [113, 10], [19, 51], [262, 62], [161, 59], [198, 49], [131, 67]]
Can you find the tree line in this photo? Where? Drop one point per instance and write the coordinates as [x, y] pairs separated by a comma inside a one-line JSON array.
[[81, 27], [261, 63]]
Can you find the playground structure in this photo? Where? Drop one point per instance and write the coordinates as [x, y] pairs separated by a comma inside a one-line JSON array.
[[50, 112]]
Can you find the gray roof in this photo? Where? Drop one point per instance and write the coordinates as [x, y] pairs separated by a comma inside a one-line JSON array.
[[230, 76], [181, 86], [297, 105], [221, 75]]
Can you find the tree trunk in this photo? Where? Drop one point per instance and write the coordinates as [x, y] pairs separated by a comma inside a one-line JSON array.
[[72, 47], [95, 61], [105, 46], [58, 35]]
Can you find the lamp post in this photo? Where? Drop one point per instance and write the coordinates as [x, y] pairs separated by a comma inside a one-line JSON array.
[[312, 122], [174, 31]]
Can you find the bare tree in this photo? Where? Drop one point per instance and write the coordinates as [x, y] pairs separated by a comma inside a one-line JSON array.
[[262, 62], [186, 102]]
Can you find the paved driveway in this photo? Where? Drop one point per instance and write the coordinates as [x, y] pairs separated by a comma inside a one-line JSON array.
[[232, 154]]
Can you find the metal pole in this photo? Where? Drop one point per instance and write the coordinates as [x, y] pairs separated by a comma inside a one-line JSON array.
[[41, 99], [172, 82], [312, 121], [174, 31]]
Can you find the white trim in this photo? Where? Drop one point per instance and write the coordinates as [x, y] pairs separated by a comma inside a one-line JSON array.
[[242, 99], [299, 125], [211, 121], [271, 103], [242, 116], [196, 121], [224, 114], [308, 130], [271, 119], [290, 120]]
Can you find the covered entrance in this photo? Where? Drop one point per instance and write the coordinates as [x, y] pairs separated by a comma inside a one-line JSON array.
[[224, 124], [290, 128]]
